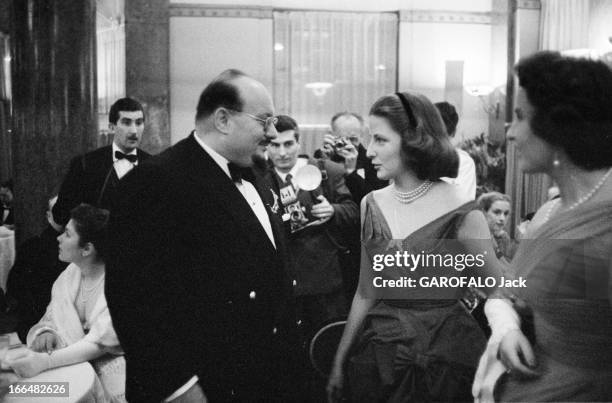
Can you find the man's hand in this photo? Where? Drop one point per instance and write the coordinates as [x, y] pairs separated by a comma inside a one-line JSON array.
[[349, 153], [45, 342], [324, 211], [328, 145]]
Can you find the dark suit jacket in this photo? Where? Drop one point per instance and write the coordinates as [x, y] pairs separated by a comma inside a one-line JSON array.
[[194, 283], [315, 251], [359, 186], [85, 180]]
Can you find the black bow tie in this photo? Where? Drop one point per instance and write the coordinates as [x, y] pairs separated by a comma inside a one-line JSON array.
[[130, 157], [235, 172]]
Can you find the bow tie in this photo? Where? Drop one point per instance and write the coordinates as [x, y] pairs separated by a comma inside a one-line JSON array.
[[130, 157], [235, 172]]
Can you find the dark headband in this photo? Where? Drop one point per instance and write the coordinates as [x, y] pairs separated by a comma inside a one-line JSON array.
[[411, 118]]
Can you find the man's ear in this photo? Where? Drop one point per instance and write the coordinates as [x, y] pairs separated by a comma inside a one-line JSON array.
[[111, 127], [222, 121]]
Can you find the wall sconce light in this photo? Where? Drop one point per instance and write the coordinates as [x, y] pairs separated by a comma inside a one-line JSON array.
[[483, 93], [319, 89]]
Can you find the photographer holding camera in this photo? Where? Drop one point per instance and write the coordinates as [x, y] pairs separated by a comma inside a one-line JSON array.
[[317, 222], [343, 145]]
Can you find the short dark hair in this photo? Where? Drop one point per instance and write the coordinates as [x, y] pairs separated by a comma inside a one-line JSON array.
[[221, 92], [91, 224], [486, 200], [124, 105], [425, 147], [529, 216], [572, 105], [345, 113], [285, 123], [7, 184], [449, 116]]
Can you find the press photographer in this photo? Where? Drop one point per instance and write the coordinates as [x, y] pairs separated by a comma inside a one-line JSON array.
[[318, 210]]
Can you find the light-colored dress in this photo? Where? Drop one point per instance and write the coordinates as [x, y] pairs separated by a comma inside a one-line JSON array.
[[566, 311], [62, 318]]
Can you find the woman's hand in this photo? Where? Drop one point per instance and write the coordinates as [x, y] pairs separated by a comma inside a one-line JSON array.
[[516, 353], [30, 364], [335, 385], [45, 342]]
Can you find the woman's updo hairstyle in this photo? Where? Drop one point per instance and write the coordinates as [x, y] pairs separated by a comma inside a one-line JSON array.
[[486, 200], [91, 224], [572, 101], [425, 146]]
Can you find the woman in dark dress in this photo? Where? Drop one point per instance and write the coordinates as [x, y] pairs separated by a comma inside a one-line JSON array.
[[411, 344]]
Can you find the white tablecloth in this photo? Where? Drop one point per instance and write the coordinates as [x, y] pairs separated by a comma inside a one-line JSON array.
[[81, 380], [7, 254]]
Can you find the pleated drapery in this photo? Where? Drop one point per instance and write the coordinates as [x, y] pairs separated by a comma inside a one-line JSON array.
[[327, 62]]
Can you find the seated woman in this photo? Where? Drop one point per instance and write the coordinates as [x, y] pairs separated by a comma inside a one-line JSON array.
[[77, 324], [496, 207]]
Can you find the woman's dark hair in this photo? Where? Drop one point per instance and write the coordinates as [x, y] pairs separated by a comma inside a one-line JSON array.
[[572, 105], [425, 147], [486, 200], [91, 224]]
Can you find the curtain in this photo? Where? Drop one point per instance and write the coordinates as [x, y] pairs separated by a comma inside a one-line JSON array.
[[110, 55], [5, 109], [327, 62], [564, 24]]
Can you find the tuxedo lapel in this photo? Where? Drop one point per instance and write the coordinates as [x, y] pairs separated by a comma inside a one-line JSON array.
[[207, 174]]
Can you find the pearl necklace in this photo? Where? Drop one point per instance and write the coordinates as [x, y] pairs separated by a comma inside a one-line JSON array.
[[86, 293], [412, 195], [581, 200]]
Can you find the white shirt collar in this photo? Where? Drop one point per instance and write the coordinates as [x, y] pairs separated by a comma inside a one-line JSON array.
[[299, 163], [218, 158], [116, 148]]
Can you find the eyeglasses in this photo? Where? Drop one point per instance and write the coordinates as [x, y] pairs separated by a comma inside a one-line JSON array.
[[267, 122]]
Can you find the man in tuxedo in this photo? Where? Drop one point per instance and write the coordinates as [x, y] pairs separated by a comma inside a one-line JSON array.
[[195, 282], [93, 177]]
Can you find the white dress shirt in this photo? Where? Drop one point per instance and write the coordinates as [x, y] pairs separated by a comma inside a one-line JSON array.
[[299, 163], [466, 176], [123, 166]]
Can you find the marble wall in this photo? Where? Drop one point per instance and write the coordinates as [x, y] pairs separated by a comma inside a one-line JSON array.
[[54, 99]]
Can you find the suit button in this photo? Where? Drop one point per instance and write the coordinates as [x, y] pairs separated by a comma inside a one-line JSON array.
[[294, 283], [299, 322], [274, 331], [230, 302], [252, 295]]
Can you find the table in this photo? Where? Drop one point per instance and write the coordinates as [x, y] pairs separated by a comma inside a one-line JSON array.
[[81, 380], [7, 254]]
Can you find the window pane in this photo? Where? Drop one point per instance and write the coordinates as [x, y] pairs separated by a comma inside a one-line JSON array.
[[326, 62]]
